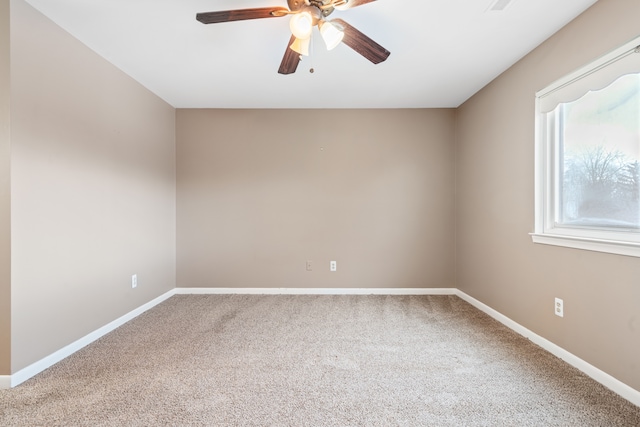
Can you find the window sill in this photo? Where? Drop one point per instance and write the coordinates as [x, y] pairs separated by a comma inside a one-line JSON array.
[[588, 244]]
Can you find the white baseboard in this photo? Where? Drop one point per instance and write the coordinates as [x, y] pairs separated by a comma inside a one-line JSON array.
[[39, 366], [629, 393], [617, 386], [317, 291], [5, 382]]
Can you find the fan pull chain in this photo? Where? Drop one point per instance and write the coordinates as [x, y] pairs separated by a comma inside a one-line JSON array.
[[311, 70]]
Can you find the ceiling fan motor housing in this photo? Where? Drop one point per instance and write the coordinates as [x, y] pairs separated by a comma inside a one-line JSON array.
[[321, 5]]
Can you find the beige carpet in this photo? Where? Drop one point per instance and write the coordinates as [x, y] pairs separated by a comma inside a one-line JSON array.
[[313, 361]]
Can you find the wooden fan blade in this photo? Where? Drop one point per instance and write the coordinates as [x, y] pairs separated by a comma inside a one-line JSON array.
[[240, 14], [354, 3], [290, 60], [361, 43]]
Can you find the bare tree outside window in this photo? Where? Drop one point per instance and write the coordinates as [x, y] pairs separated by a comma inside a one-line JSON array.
[[599, 157]]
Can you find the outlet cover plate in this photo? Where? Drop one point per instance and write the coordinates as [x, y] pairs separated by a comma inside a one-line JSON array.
[[559, 307]]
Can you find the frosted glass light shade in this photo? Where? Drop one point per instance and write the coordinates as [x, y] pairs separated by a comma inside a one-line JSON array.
[[301, 25], [331, 35], [301, 46]]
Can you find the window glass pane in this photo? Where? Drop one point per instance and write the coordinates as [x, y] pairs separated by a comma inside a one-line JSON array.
[[598, 183]]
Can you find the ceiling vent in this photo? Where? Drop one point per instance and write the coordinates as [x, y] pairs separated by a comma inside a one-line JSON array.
[[499, 5]]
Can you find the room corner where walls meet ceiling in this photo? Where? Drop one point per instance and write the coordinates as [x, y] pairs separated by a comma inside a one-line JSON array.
[[442, 52]]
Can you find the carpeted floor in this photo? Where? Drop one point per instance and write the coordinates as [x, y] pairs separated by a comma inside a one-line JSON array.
[[238, 360]]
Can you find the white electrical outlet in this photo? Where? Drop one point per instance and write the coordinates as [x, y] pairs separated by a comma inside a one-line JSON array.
[[134, 281], [559, 307], [309, 266], [333, 266]]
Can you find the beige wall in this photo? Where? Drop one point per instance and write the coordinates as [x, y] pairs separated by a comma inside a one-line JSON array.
[[5, 197], [93, 190], [262, 191], [496, 260]]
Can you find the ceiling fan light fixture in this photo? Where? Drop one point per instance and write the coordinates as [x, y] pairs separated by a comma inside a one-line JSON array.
[[301, 46], [301, 25], [331, 35]]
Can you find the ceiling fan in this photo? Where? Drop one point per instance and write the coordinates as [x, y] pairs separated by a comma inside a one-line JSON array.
[[306, 14]]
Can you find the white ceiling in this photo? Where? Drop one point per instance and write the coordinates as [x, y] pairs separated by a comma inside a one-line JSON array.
[[442, 51]]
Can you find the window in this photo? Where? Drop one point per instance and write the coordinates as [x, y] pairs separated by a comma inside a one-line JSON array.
[[588, 156]]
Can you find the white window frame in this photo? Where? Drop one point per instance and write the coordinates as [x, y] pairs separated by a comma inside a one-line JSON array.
[[622, 242]]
